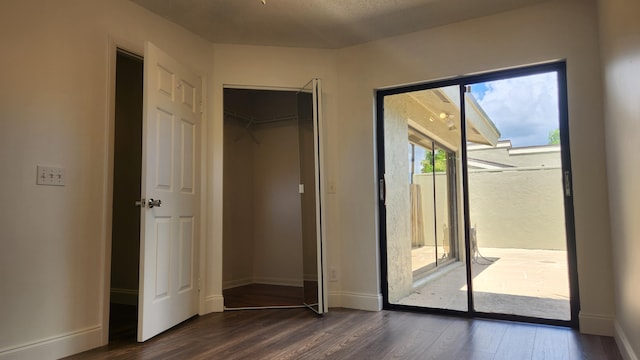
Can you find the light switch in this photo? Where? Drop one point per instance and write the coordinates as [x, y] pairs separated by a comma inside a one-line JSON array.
[[50, 175]]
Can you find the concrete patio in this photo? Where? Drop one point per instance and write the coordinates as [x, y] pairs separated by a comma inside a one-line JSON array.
[[510, 281]]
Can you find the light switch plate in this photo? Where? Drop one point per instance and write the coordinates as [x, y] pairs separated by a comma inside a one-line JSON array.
[[50, 175]]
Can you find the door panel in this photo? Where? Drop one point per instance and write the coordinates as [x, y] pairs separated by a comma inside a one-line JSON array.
[[186, 254], [516, 200], [188, 132], [421, 191], [309, 111], [169, 229]]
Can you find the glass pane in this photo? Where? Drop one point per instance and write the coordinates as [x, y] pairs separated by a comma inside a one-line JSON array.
[[425, 268], [444, 205], [516, 201]]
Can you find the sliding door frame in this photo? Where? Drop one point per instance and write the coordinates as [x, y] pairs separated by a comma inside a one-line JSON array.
[[559, 67]]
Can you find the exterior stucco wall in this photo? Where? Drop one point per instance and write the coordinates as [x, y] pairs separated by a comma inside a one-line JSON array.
[[398, 208]]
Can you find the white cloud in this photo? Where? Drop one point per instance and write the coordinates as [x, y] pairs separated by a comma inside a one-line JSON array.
[[524, 109]]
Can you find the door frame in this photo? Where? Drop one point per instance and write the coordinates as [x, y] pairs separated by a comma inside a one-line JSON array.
[[115, 44], [319, 147], [556, 66]]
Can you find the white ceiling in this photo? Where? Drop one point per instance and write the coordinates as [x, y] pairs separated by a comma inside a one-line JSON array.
[[318, 23]]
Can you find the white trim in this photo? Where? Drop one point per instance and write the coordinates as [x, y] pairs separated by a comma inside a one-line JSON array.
[[486, 166], [500, 145], [596, 324], [360, 301], [623, 343], [523, 168], [228, 284], [335, 299], [56, 347], [278, 281], [534, 150], [213, 303]]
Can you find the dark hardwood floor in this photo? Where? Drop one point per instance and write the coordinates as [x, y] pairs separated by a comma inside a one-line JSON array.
[[263, 295], [354, 334]]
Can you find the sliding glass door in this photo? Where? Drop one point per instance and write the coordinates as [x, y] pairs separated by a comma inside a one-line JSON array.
[[475, 196], [422, 224], [516, 199]]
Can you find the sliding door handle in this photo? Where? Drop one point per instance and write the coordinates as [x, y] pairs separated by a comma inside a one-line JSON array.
[[567, 183]]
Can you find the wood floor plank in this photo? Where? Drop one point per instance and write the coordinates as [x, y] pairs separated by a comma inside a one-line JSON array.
[[517, 342], [485, 337], [591, 347], [352, 334], [263, 295], [551, 344]]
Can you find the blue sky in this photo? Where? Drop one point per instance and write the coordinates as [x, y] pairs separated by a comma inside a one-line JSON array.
[[524, 109]]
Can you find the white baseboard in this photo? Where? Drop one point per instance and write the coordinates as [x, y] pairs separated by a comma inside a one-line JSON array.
[[335, 299], [358, 301], [623, 343], [228, 284], [124, 296], [277, 281], [213, 303], [596, 324], [261, 280], [56, 347]]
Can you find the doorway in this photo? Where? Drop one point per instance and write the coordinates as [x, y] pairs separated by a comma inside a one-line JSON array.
[[125, 241], [164, 152], [477, 219], [272, 241]]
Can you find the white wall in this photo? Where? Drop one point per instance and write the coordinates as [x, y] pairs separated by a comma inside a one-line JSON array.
[[277, 230], [238, 205], [398, 200], [262, 217], [54, 109], [550, 31], [620, 31]]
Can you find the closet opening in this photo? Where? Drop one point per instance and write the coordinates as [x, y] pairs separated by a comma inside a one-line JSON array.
[[271, 200], [127, 173]]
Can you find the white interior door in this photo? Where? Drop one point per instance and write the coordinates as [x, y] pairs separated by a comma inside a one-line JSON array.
[[170, 191], [311, 181]]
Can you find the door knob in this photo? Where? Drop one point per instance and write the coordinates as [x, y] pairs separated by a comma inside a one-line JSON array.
[[154, 203], [140, 203]]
